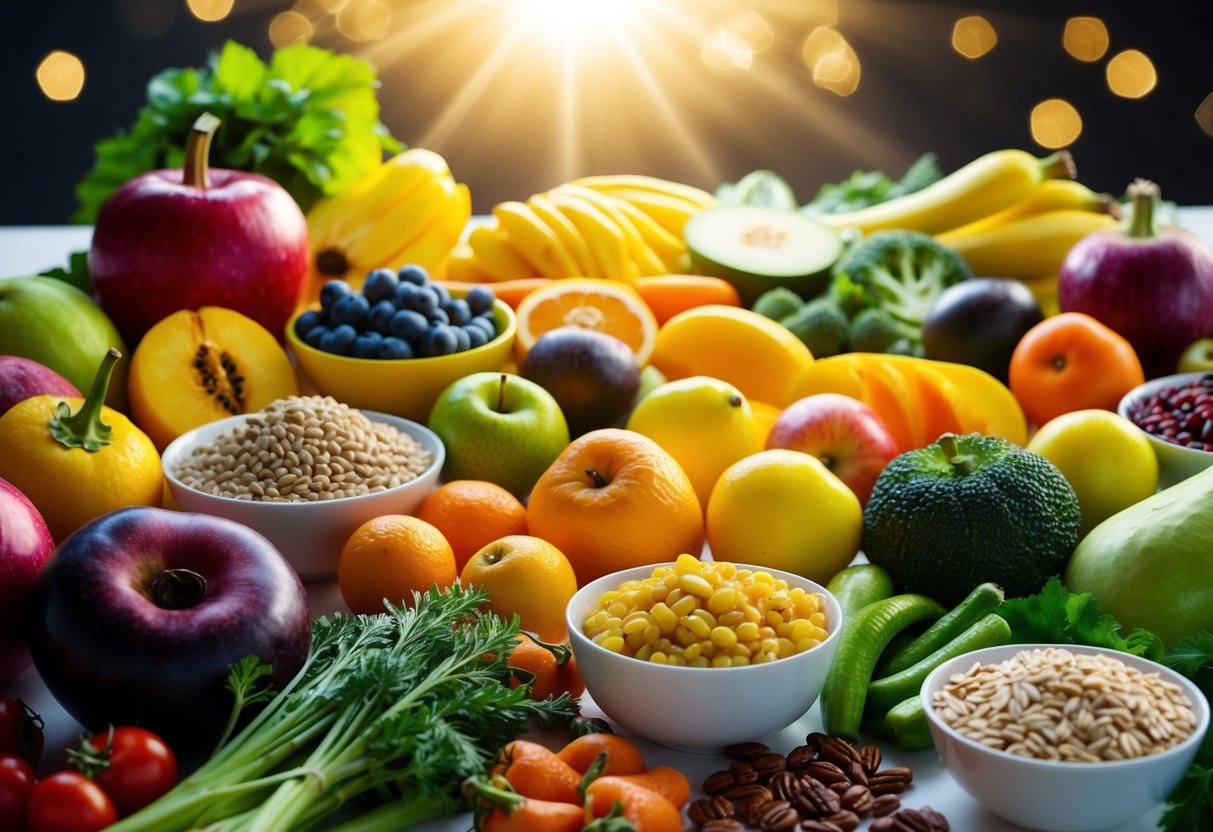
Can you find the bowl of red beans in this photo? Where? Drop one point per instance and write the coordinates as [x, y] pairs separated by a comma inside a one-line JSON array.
[[1176, 415]]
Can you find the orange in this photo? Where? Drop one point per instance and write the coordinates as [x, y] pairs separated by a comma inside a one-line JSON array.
[[471, 514], [615, 499], [602, 305], [527, 577], [389, 558]]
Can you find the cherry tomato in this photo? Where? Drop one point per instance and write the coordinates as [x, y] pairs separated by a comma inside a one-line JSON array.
[[16, 782], [132, 765], [67, 801], [20, 730]]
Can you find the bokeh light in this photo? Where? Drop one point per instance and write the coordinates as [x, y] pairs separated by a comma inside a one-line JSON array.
[[752, 28], [290, 27], [1204, 114], [1131, 74], [1085, 38], [364, 19], [725, 51], [833, 62], [1055, 123], [144, 19], [60, 76], [973, 36], [209, 11]]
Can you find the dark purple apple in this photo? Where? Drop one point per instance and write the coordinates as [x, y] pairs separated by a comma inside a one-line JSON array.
[[139, 614], [22, 378], [25, 544], [979, 322], [591, 375], [184, 239]]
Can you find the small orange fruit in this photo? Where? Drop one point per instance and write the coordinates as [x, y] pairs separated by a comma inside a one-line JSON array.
[[528, 577], [601, 305], [389, 558], [554, 667], [615, 499], [471, 514]]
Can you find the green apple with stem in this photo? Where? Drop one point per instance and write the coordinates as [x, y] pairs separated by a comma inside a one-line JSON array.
[[1197, 358], [498, 427]]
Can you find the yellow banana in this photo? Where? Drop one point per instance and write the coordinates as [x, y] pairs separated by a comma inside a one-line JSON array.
[[647, 262], [535, 240], [496, 256], [569, 236], [671, 250], [401, 224], [670, 212], [632, 182], [1044, 288], [1027, 247], [431, 249], [1050, 195], [602, 235], [988, 184], [465, 267]]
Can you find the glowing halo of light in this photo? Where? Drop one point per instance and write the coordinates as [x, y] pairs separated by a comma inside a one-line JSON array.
[[1131, 74], [1085, 38], [210, 11], [1055, 123], [726, 51], [973, 36], [60, 76], [290, 27]]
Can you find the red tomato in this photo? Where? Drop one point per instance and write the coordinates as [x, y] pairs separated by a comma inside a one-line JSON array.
[[16, 782], [67, 801], [20, 730], [132, 765]]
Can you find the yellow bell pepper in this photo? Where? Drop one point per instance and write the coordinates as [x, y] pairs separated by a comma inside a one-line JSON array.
[[76, 466]]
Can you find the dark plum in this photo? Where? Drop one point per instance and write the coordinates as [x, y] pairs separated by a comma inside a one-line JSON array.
[[591, 375], [979, 322]]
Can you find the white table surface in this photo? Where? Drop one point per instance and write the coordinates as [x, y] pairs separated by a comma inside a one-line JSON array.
[[28, 250]]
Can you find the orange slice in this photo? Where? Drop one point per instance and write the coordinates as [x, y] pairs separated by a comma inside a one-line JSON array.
[[603, 305]]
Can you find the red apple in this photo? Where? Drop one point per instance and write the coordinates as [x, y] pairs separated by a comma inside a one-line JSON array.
[[22, 378], [25, 544], [844, 433], [184, 239]]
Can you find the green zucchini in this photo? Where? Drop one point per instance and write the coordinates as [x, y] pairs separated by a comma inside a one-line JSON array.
[[984, 599], [857, 586], [861, 641], [907, 724], [883, 694]]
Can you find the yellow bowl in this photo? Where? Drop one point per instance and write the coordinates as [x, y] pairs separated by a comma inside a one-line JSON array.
[[406, 387]]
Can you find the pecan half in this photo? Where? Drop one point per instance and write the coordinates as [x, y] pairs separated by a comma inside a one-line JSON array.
[[746, 750]]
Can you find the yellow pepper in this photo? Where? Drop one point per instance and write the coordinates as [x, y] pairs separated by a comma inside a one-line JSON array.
[[76, 466]]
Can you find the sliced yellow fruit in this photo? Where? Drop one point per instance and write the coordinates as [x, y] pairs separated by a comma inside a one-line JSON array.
[[602, 305]]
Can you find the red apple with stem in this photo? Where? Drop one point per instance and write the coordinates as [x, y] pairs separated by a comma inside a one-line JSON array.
[[184, 239], [844, 433], [25, 544]]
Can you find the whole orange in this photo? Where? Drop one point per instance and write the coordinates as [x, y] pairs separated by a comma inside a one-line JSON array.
[[527, 577], [471, 514], [615, 499], [389, 558]]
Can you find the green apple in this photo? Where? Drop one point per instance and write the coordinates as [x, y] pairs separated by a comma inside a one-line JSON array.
[[1197, 358], [60, 327], [498, 427]]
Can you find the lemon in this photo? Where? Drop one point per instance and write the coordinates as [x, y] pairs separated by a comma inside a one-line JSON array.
[[784, 510], [704, 423]]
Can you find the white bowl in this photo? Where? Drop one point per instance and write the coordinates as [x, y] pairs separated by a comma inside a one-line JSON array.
[[700, 708], [1175, 462], [1057, 796], [309, 534]]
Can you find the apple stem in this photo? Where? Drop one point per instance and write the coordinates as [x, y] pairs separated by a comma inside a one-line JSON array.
[[501, 395], [84, 428], [962, 464], [596, 478], [198, 150], [177, 589]]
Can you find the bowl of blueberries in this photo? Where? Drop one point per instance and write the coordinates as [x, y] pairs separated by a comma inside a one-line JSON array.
[[394, 346]]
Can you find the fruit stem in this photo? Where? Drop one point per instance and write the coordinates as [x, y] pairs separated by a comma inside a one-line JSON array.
[[1143, 194], [1060, 165], [596, 478], [197, 150], [495, 791], [84, 428], [962, 464], [501, 396], [177, 589], [561, 652]]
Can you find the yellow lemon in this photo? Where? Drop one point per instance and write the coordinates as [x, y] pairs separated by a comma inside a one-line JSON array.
[[784, 510], [704, 423]]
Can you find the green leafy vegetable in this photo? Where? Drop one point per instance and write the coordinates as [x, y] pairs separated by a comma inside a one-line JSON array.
[[1191, 802], [308, 120], [866, 188], [76, 273], [402, 706]]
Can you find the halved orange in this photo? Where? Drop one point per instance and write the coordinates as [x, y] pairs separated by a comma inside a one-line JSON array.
[[603, 305]]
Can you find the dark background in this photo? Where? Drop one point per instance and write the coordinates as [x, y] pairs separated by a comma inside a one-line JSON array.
[[916, 94]]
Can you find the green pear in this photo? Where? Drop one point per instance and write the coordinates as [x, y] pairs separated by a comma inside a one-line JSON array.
[[1151, 565]]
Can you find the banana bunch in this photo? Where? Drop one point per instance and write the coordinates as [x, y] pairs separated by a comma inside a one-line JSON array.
[[615, 227], [408, 210]]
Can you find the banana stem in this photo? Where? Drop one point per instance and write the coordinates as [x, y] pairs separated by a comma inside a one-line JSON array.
[[1060, 165]]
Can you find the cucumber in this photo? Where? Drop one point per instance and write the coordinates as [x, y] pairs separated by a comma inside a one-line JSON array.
[[984, 599], [907, 724], [857, 586], [758, 248], [991, 631], [860, 643]]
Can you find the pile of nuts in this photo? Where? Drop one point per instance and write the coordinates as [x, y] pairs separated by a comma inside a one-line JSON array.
[[305, 448], [825, 785]]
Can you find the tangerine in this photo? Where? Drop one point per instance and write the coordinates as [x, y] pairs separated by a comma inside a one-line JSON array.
[[471, 514], [391, 557]]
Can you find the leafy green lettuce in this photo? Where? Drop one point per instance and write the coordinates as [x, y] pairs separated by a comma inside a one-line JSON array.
[[309, 119]]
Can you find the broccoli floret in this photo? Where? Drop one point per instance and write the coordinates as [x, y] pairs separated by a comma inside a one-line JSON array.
[[873, 330], [777, 303], [821, 325], [900, 272]]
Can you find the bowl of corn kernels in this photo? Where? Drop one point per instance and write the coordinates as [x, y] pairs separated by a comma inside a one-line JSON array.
[[698, 655]]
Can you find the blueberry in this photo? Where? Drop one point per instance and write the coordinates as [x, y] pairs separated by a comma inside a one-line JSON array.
[[404, 294], [408, 325], [480, 300], [332, 292], [380, 316], [312, 339], [421, 300], [366, 345], [437, 316], [457, 310], [439, 340], [350, 309], [305, 322], [394, 348], [486, 323], [440, 292], [380, 285], [339, 340], [413, 274], [476, 335], [463, 341]]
